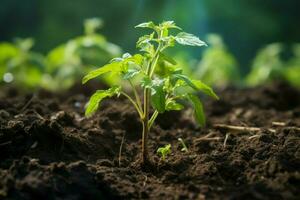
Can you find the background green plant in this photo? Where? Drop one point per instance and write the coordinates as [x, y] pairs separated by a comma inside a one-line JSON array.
[[23, 66], [267, 66], [218, 67], [70, 61], [292, 71]]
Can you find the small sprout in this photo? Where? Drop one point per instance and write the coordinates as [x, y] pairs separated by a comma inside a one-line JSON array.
[[184, 148], [164, 151]]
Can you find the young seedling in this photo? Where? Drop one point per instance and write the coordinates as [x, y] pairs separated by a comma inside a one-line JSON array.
[[184, 148], [161, 91], [164, 151]]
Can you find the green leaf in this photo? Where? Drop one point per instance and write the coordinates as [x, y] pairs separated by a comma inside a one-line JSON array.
[[111, 67], [131, 73], [127, 57], [158, 95], [173, 105], [169, 41], [164, 151], [197, 85], [169, 24], [145, 39], [97, 97], [146, 82], [146, 25], [205, 88], [167, 58], [198, 109], [144, 43], [189, 39], [136, 59], [186, 79]]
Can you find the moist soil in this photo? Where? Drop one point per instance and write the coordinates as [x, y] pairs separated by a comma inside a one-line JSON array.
[[49, 150]]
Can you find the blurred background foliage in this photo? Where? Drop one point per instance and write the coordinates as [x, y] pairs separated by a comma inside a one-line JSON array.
[[252, 38]]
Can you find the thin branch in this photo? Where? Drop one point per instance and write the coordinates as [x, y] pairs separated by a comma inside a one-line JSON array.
[[134, 104], [208, 137], [278, 124], [120, 150], [253, 136], [153, 117], [225, 140], [284, 125], [241, 128], [137, 98]]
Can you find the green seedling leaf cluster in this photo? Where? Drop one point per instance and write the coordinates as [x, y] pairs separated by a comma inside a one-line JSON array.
[[160, 91], [164, 151]]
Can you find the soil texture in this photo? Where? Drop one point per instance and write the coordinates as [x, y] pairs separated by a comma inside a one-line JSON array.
[[250, 148]]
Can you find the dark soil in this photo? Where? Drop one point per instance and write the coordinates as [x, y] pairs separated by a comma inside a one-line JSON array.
[[49, 150]]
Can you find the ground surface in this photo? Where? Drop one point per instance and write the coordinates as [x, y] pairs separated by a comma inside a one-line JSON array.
[[48, 150]]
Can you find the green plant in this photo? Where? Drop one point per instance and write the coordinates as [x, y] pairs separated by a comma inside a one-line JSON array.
[[20, 65], [267, 66], [184, 147], [218, 67], [70, 61], [161, 91], [292, 71], [164, 151]]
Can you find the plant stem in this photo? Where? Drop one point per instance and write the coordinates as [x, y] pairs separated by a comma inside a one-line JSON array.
[[145, 157], [147, 94], [152, 119], [137, 98], [140, 112]]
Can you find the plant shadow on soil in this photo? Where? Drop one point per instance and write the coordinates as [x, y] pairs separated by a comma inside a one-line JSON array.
[[49, 150]]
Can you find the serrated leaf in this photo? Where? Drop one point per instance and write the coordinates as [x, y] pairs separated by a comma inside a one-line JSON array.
[[169, 24], [111, 67], [189, 39], [97, 97], [127, 57], [186, 79], [205, 88], [173, 105], [168, 40], [158, 95], [131, 73], [197, 85], [167, 58], [147, 47], [158, 98], [146, 25], [198, 109], [145, 39], [136, 58], [144, 43], [146, 82]]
